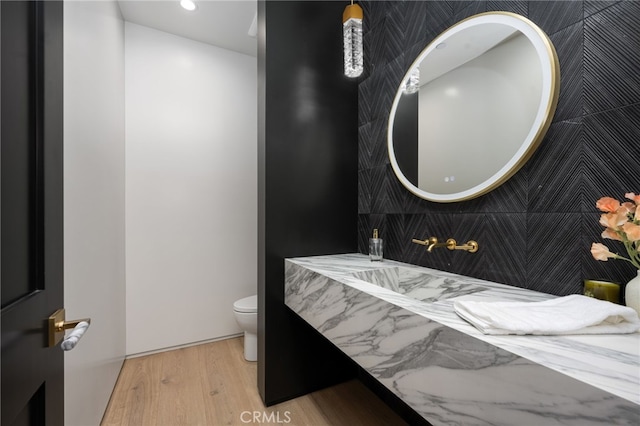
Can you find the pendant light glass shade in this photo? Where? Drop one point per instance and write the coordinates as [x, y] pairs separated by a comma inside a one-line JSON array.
[[413, 82], [352, 33]]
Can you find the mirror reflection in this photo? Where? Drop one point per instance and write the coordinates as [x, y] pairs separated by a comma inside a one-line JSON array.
[[473, 107]]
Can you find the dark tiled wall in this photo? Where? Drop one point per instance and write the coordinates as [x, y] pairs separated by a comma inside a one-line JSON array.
[[535, 231]]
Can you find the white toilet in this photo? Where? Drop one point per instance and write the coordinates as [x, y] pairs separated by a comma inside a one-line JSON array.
[[246, 312]]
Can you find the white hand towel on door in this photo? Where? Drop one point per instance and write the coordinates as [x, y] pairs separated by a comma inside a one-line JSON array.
[[574, 314]]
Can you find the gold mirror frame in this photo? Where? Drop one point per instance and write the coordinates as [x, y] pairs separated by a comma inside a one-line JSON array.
[[550, 69]]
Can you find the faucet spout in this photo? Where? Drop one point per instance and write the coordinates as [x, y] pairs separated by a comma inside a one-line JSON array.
[[429, 242], [433, 243]]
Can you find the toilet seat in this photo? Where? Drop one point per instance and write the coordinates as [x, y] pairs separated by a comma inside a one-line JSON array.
[[246, 305]]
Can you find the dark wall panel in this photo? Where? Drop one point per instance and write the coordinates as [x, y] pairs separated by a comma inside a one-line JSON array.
[[535, 230], [308, 189]]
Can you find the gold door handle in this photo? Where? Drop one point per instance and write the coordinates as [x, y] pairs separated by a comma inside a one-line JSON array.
[[58, 325]]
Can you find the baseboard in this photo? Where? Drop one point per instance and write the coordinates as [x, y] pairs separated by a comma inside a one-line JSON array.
[[186, 345]]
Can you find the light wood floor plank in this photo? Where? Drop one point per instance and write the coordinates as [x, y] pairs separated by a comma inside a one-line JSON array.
[[135, 402], [213, 385], [181, 401]]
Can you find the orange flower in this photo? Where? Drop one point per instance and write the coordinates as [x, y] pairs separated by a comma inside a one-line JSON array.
[[613, 220], [611, 234], [622, 223], [607, 204], [626, 208], [632, 230], [600, 252], [632, 196]]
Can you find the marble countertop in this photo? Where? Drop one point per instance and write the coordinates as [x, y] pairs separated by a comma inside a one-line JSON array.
[[347, 296]]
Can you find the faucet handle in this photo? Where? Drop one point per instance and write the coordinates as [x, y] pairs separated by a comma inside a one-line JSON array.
[[427, 242], [431, 243], [471, 246], [424, 243]]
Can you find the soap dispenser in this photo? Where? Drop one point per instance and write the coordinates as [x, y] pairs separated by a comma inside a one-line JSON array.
[[375, 247]]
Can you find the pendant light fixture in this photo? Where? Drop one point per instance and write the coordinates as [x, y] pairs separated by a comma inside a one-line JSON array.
[[352, 33], [413, 82]]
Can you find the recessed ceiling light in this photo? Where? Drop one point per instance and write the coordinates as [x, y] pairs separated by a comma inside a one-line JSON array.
[[188, 4]]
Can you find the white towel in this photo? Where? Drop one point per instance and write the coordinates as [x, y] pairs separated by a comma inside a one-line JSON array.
[[573, 314]]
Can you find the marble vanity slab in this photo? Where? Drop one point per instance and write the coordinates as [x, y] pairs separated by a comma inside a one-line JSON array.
[[397, 322]]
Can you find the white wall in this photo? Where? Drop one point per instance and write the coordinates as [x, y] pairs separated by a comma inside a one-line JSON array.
[[94, 219], [191, 188]]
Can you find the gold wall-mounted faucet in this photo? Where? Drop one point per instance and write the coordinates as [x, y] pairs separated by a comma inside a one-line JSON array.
[[429, 242], [432, 242]]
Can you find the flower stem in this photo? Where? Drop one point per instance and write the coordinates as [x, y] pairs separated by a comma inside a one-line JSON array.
[[632, 261]]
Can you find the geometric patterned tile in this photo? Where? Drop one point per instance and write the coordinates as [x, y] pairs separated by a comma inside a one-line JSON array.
[[612, 57], [387, 86], [367, 12], [414, 23], [553, 252], [569, 47], [376, 47], [504, 247], [374, 12], [611, 151], [378, 143], [594, 6], [394, 33], [364, 146], [364, 97], [460, 5], [510, 197], [394, 73], [364, 192], [555, 170], [553, 16], [381, 92], [396, 193], [521, 7], [415, 204], [378, 185], [471, 8], [536, 229], [394, 238], [364, 230], [439, 17]]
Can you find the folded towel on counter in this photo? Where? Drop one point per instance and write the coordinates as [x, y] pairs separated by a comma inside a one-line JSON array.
[[573, 314]]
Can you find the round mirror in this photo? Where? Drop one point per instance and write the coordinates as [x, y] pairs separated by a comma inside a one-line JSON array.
[[473, 107]]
